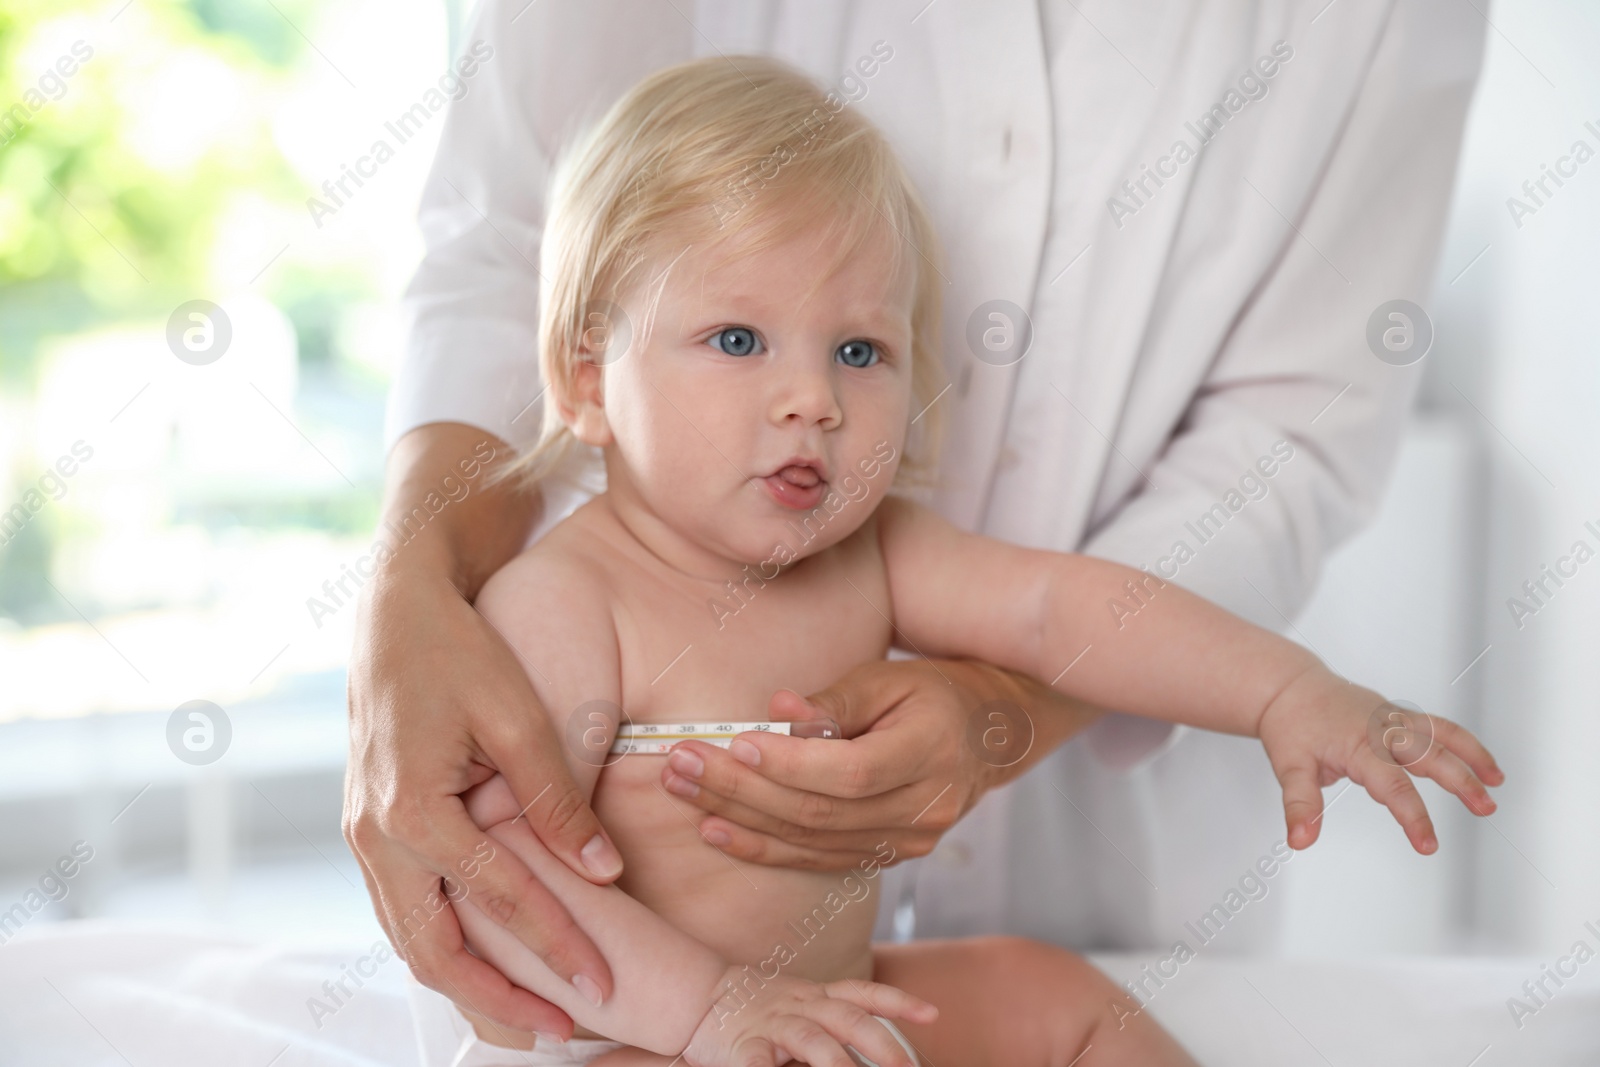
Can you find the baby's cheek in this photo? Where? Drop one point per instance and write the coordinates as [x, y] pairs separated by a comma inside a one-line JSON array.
[[680, 441], [853, 488]]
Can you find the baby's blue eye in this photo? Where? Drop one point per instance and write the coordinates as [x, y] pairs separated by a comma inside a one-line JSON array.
[[735, 341], [857, 354]]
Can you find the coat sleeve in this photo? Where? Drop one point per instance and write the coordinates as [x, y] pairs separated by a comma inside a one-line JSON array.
[[544, 70], [1296, 366]]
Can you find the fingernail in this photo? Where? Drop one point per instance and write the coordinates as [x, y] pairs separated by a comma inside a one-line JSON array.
[[547, 1039], [745, 753], [686, 763], [601, 857], [718, 836], [682, 786], [1430, 843], [588, 987]]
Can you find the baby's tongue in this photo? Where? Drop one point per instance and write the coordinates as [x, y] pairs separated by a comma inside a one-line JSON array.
[[804, 477]]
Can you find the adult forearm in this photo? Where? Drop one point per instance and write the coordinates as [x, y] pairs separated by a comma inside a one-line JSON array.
[[445, 512]]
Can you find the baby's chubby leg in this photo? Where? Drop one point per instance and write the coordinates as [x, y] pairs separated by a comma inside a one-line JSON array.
[[1012, 1002]]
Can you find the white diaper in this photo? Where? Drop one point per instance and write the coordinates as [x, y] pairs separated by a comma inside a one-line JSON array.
[[475, 1052]]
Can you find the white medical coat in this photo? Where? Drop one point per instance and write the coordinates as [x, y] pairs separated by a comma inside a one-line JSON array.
[[1187, 315]]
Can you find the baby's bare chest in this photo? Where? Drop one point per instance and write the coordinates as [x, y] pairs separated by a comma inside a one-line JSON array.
[[720, 652], [719, 656]]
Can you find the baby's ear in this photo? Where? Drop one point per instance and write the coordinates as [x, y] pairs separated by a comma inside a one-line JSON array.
[[582, 404]]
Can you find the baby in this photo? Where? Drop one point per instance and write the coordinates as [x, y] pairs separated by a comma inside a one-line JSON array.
[[739, 310]]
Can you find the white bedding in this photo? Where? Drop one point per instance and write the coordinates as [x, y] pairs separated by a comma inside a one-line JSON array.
[[95, 993]]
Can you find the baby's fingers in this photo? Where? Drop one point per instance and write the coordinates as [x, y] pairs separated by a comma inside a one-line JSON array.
[[1302, 804], [1392, 787], [885, 1000], [808, 1042], [1446, 768], [755, 1052], [1460, 741], [853, 1026]]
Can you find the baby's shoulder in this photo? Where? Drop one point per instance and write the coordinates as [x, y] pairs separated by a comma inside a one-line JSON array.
[[564, 570]]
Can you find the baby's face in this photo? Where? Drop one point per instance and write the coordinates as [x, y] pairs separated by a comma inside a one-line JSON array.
[[768, 388]]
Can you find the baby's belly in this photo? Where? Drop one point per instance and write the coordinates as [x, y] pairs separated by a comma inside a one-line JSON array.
[[803, 924]]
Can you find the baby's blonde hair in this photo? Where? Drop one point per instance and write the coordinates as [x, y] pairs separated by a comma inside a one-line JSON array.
[[738, 146]]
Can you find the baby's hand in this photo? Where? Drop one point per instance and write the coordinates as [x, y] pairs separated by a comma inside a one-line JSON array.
[[1322, 728], [767, 1022]]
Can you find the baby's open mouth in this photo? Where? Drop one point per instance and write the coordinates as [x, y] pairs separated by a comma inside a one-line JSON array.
[[803, 476], [796, 485]]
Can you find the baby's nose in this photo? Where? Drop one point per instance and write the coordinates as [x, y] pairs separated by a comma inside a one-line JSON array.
[[808, 397]]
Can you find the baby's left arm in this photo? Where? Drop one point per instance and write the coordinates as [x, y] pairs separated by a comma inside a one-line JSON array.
[[1125, 639]]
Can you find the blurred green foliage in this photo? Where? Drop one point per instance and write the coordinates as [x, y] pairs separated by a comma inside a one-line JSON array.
[[109, 214], [91, 229]]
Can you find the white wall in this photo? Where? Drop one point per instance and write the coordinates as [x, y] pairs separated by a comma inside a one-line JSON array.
[[1396, 610]]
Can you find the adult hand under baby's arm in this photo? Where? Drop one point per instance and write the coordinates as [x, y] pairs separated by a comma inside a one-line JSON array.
[[913, 764]]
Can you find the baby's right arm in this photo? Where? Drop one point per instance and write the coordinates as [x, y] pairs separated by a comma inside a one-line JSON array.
[[673, 994], [663, 979], [670, 991]]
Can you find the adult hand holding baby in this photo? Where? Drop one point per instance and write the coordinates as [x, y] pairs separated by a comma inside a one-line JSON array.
[[438, 704], [905, 774]]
